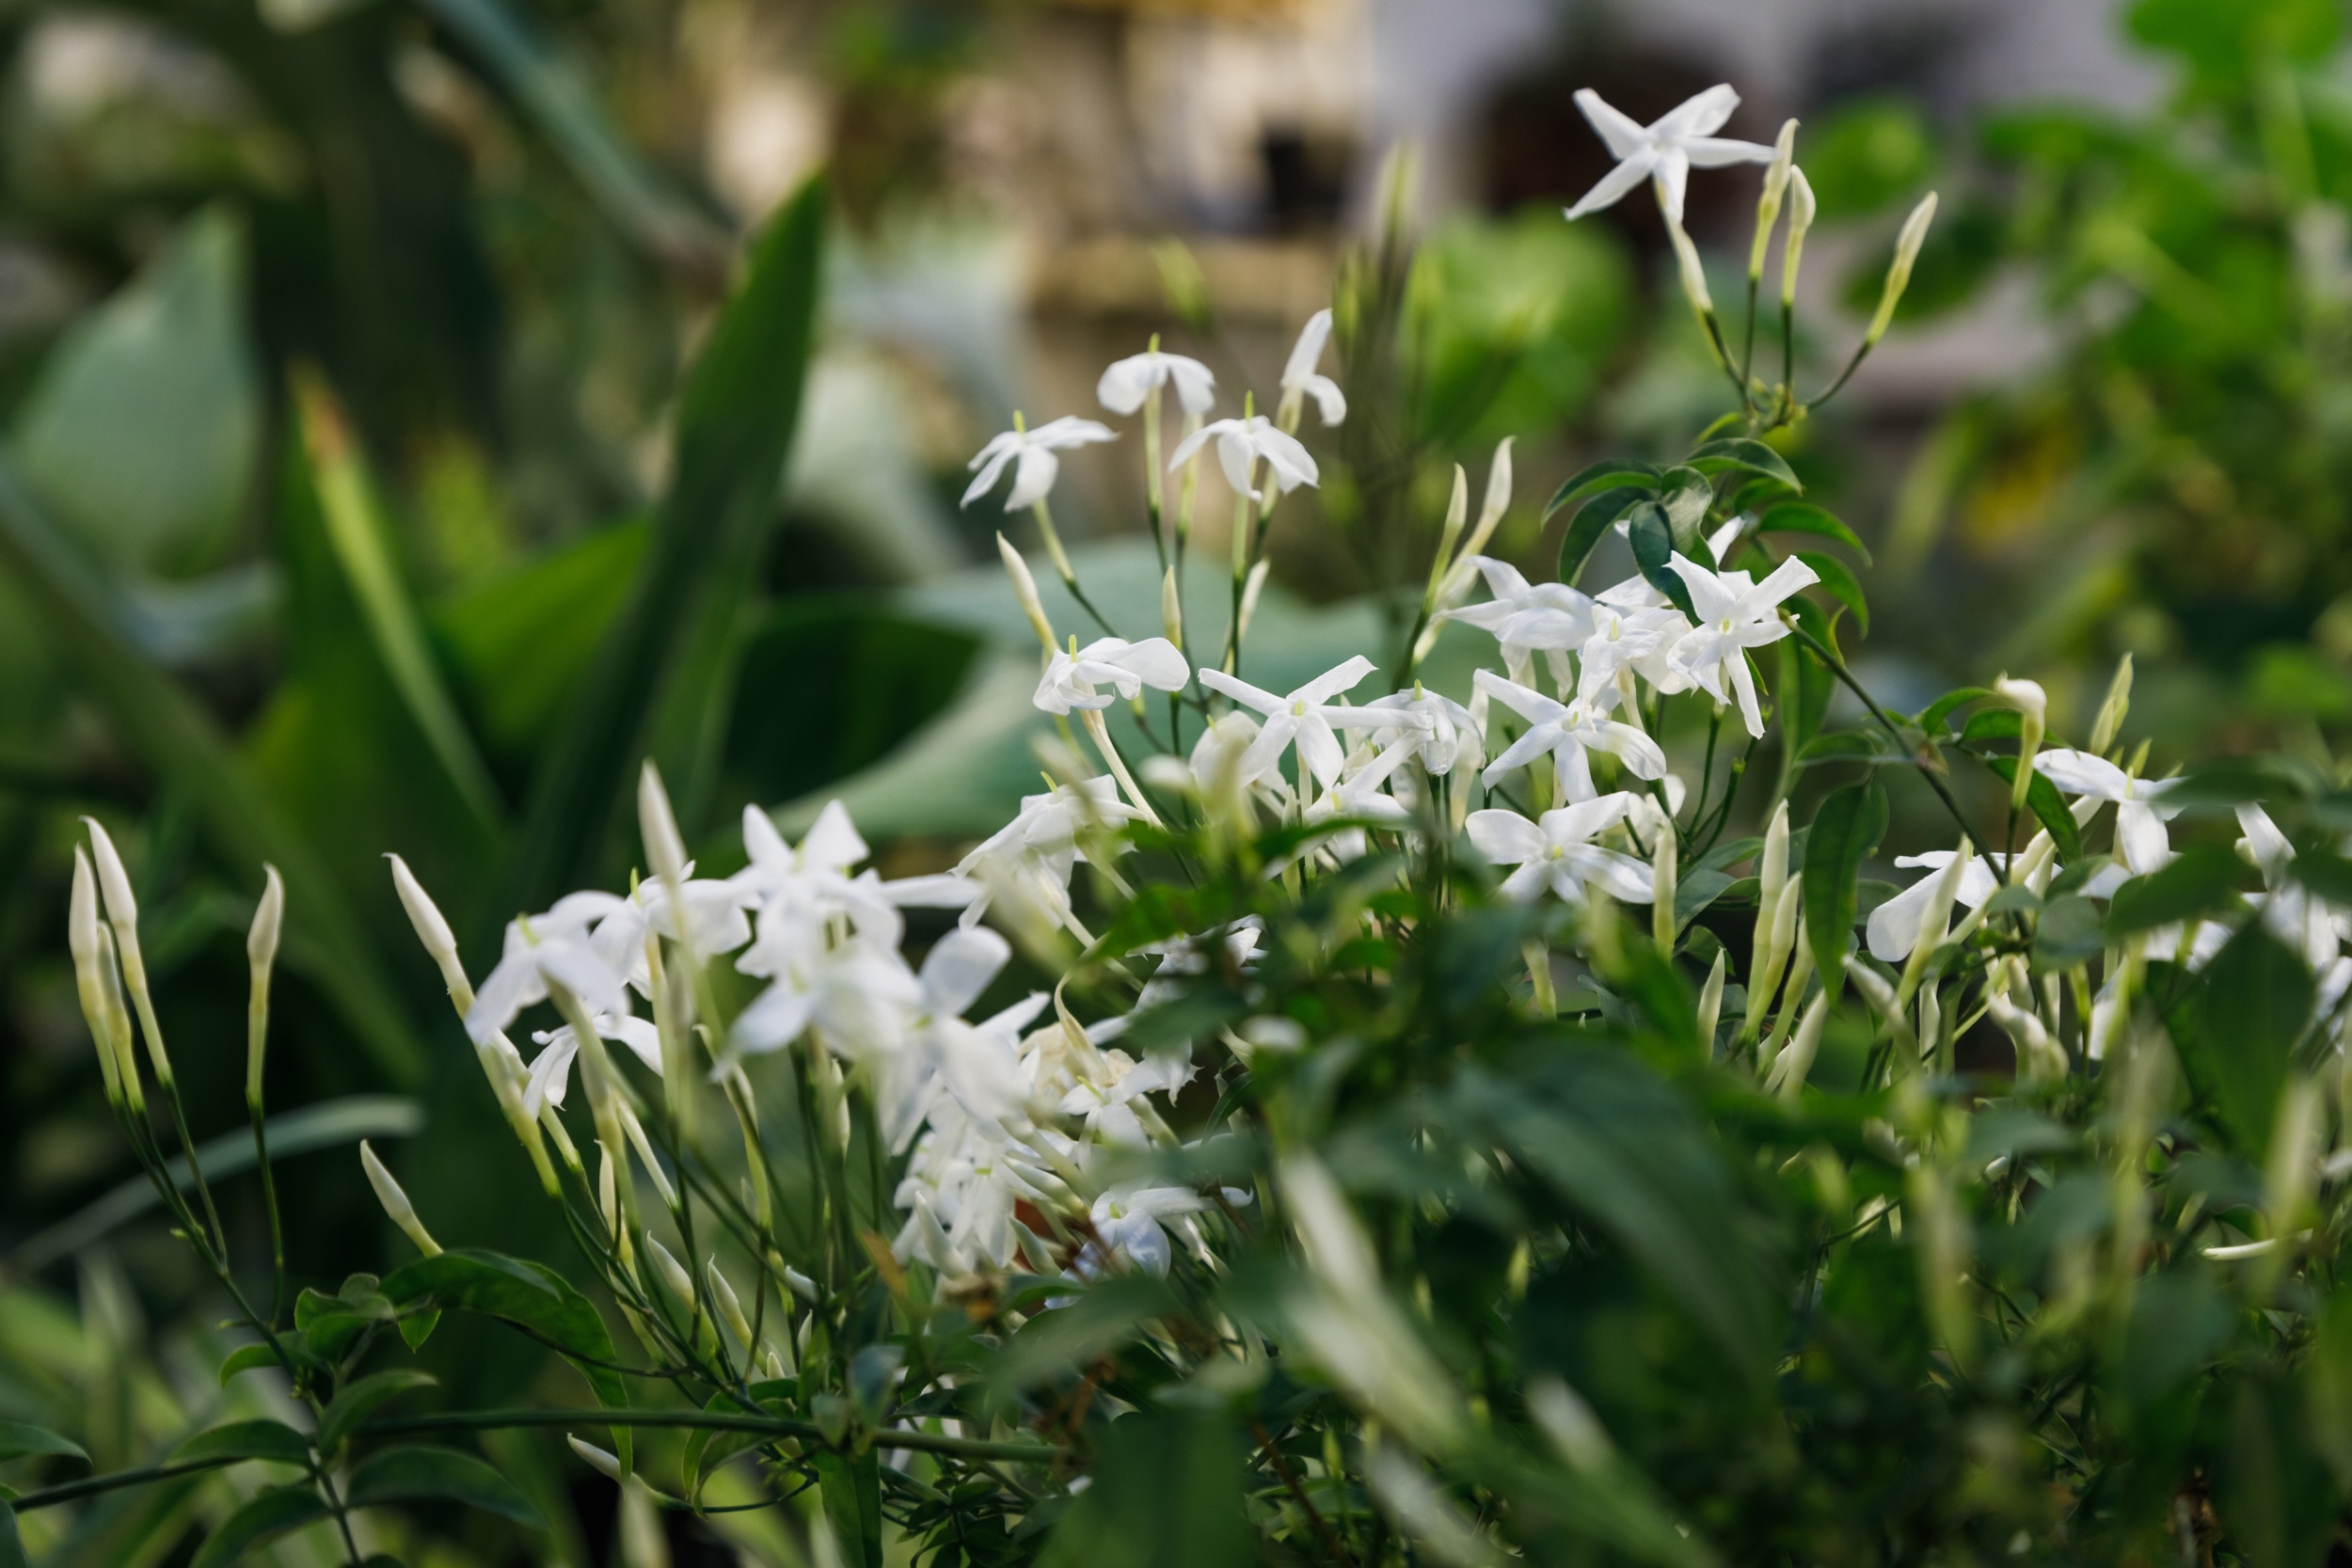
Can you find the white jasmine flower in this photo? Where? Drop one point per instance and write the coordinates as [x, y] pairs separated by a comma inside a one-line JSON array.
[[1630, 632], [1568, 731], [555, 946], [1036, 850], [1240, 443], [1032, 452], [979, 1066], [1733, 613], [2140, 839], [1072, 680], [1665, 151], [1445, 732], [859, 995], [2291, 912], [1302, 718], [1894, 926], [1557, 852], [1126, 384], [1130, 1221], [551, 1070], [1523, 616], [1300, 381]]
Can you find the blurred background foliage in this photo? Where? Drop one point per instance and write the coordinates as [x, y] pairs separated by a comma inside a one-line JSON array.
[[412, 411]]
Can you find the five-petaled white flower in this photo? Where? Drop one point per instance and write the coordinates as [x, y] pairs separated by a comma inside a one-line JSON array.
[[1035, 851], [1240, 443], [1446, 732], [1558, 852], [1568, 731], [2140, 838], [1665, 149], [1074, 680], [1893, 928], [1032, 452], [1303, 717], [1300, 379], [1127, 383], [1734, 614], [1525, 616]]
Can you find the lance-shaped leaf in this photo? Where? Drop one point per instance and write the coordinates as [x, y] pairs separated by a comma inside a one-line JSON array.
[[1592, 519], [2200, 879], [269, 1515], [433, 1475], [17, 1440], [1846, 830], [360, 1400], [528, 1295], [1805, 517], [1610, 472], [1739, 454]]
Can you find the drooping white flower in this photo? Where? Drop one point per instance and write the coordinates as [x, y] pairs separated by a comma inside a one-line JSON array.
[[1241, 443], [1073, 680], [1129, 382], [1300, 379], [1568, 731], [1557, 852], [2140, 837], [1894, 926], [1033, 454], [1302, 716], [551, 1070], [554, 945], [1665, 151], [1734, 614]]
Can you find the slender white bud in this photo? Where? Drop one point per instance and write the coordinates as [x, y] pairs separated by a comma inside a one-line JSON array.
[[1800, 210], [636, 1130], [122, 915], [1662, 881], [1907, 246], [1249, 592], [673, 1274], [608, 1465], [1711, 1003], [122, 908], [1694, 274], [657, 825], [2111, 712], [1772, 866], [1456, 518], [432, 932], [1796, 1062], [1024, 591], [396, 1205], [1492, 505], [1768, 205], [774, 1366], [801, 1285], [260, 950], [1172, 608], [2033, 708], [91, 959], [730, 1305], [1932, 920]]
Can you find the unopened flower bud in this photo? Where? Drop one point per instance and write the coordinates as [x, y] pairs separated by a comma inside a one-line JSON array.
[[801, 1285], [730, 1305], [1800, 210], [1249, 592], [1172, 608], [1493, 505], [396, 1205], [657, 825], [432, 932], [1768, 205], [1662, 881], [1456, 518], [606, 1465], [123, 915], [91, 960], [2111, 712], [1693, 274], [1024, 591], [636, 1130], [672, 1273], [2033, 708], [260, 950], [1711, 1001], [1907, 246]]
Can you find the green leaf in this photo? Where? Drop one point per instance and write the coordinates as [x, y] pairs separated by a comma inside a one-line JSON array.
[[1592, 519], [1652, 538], [425, 1475], [1931, 718], [1168, 1492], [243, 1359], [2257, 999], [1104, 1317], [528, 1295], [851, 1492], [1838, 582], [1994, 723], [1697, 889], [1846, 831], [1608, 472], [2072, 932], [11, 1539], [662, 675], [268, 1516], [1870, 747], [2327, 874], [1805, 517], [18, 1441], [181, 742], [1750, 456], [362, 546], [1686, 495], [257, 1439], [358, 1399], [2202, 879], [2042, 797]]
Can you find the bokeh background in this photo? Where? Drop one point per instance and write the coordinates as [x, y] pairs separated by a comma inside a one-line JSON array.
[[342, 350]]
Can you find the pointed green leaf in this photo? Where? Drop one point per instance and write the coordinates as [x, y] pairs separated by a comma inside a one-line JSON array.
[[1805, 517], [528, 1295], [2257, 999], [427, 1475], [1749, 456], [256, 1439], [1932, 717], [1608, 472], [1592, 519], [270, 1515], [1846, 831], [18, 1441], [1168, 1492], [358, 1399], [1652, 538], [1686, 495], [11, 1540], [2203, 877]]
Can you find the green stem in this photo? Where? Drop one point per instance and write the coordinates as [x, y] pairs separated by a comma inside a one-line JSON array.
[[269, 1202], [706, 1420]]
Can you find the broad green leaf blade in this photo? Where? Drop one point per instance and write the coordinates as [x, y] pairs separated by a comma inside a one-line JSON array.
[[1993, 723], [1846, 830], [17, 1440], [331, 1125], [426, 1475], [1592, 519], [2328, 875], [1168, 1492], [1749, 456], [181, 742], [360, 1400], [245, 1358], [1805, 517], [1652, 538], [1686, 495], [256, 1439], [2042, 797], [1838, 582], [1104, 1317], [2202, 879], [11, 1539], [270, 1515], [357, 531], [850, 1490], [1931, 718], [2257, 999], [2072, 931], [660, 679], [1610, 472], [528, 1295]]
